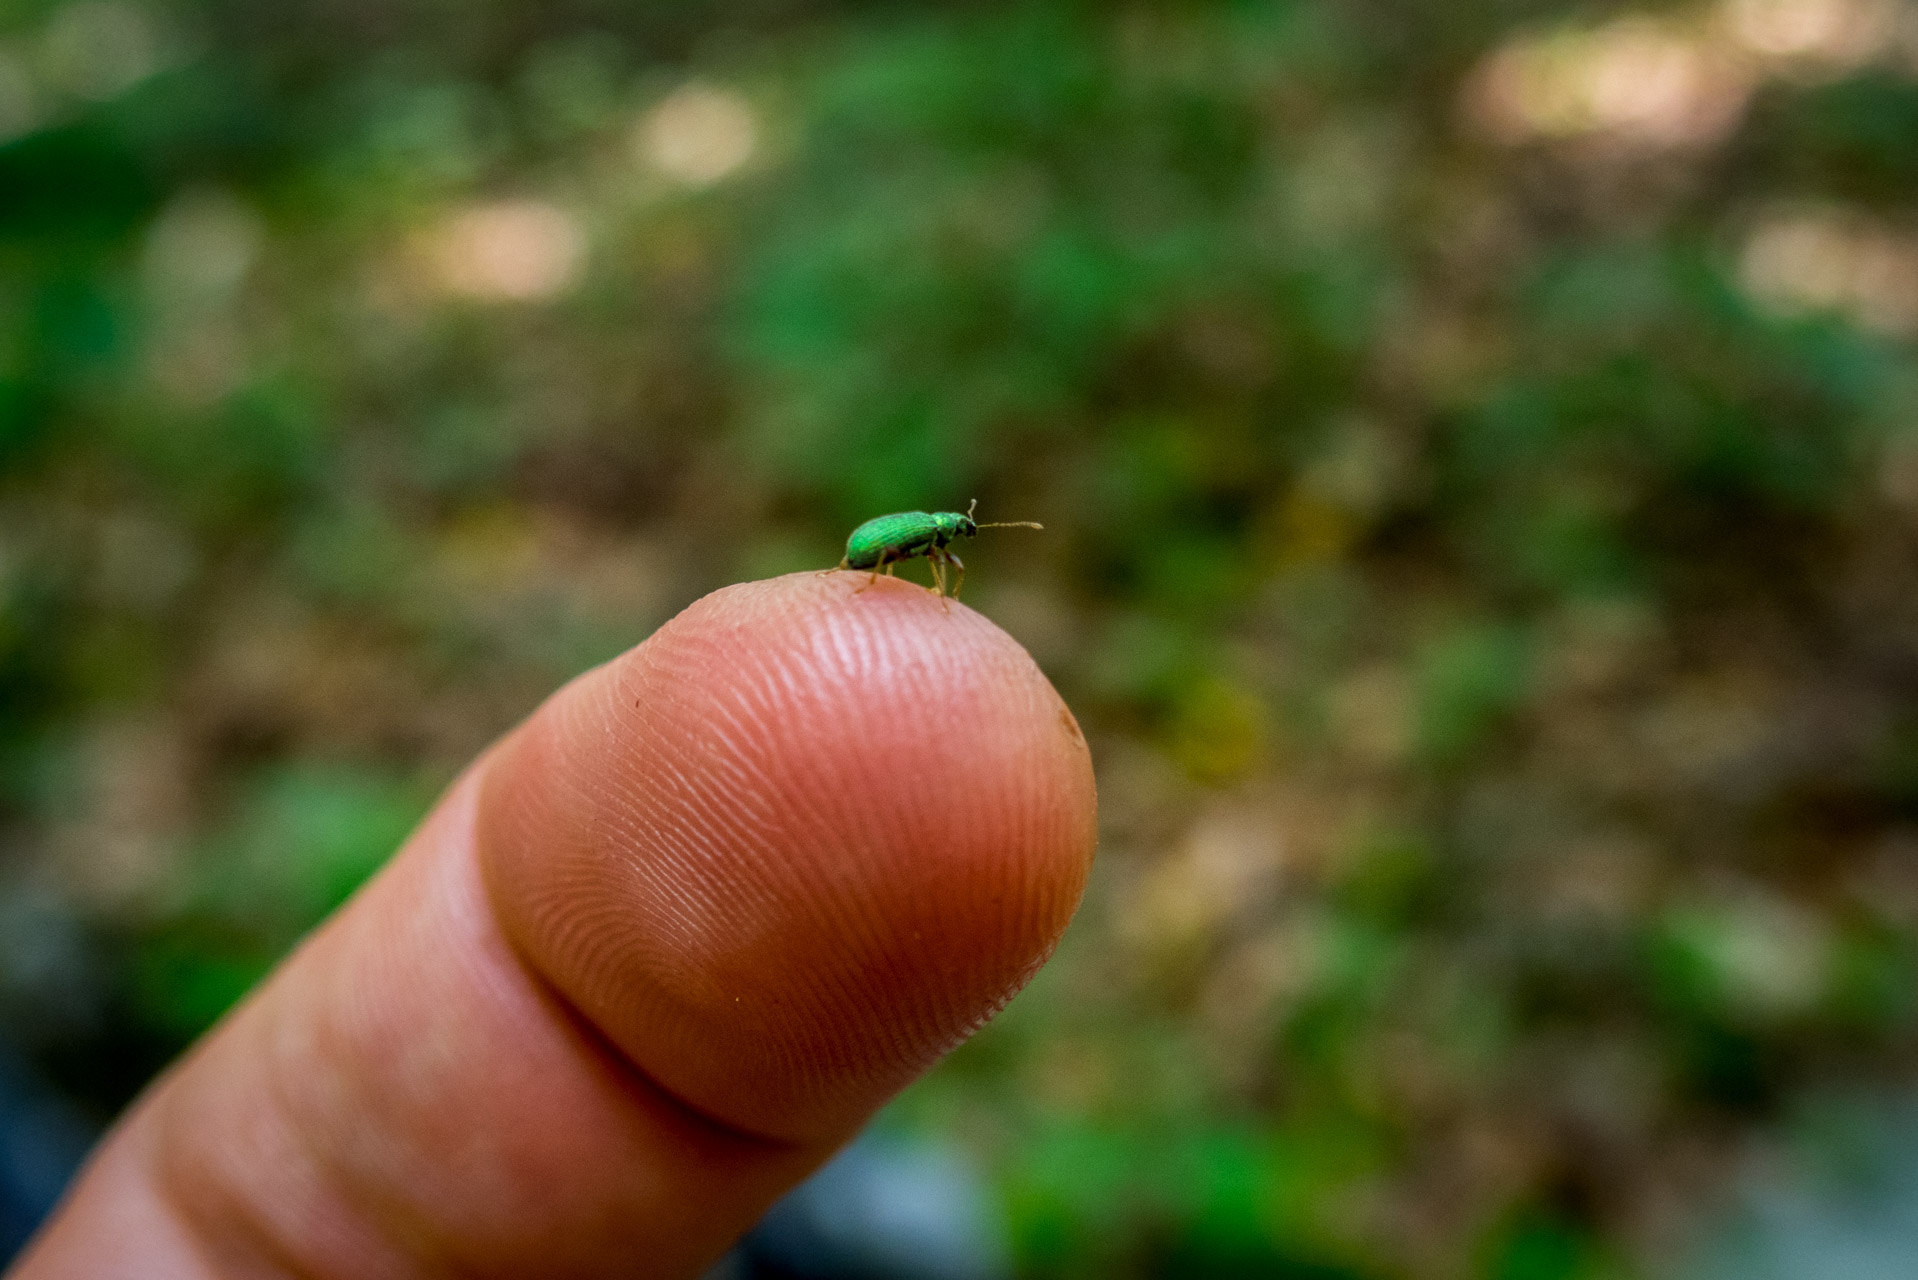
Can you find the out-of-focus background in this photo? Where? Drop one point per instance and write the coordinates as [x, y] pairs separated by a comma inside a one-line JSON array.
[[1478, 449]]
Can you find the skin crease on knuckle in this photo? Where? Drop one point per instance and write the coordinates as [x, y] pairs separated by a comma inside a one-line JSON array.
[[810, 843]]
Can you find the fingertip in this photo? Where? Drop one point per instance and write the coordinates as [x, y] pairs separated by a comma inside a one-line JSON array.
[[796, 845]]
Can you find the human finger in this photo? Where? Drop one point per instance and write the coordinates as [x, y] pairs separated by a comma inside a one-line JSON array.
[[651, 960]]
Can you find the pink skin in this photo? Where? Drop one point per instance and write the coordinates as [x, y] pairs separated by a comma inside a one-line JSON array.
[[654, 956]]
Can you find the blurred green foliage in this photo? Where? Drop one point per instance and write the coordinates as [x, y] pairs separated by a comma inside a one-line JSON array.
[[1476, 447]]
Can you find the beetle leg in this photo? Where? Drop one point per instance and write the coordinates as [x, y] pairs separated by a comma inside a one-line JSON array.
[[959, 567], [945, 600], [938, 572]]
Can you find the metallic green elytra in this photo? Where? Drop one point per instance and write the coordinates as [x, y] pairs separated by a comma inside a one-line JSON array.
[[885, 541]]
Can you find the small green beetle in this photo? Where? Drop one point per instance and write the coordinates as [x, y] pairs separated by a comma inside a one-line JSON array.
[[885, 541]]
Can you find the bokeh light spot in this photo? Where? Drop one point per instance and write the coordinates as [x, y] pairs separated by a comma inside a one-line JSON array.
[[1842, 33], [1634, 81], [100, 48], [1823, 260], [699, 134], [509, 250], [19, 96], [201, 246]]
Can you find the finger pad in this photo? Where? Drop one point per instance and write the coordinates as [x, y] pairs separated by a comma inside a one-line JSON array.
[[795, 846]]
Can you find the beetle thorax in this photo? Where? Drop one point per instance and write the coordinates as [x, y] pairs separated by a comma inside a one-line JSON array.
[[953, 525]]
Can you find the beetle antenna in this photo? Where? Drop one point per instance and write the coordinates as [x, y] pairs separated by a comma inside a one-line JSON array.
[[1000, 524]]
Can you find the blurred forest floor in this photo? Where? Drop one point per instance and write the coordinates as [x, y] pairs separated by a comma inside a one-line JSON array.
[[1477, 451]]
